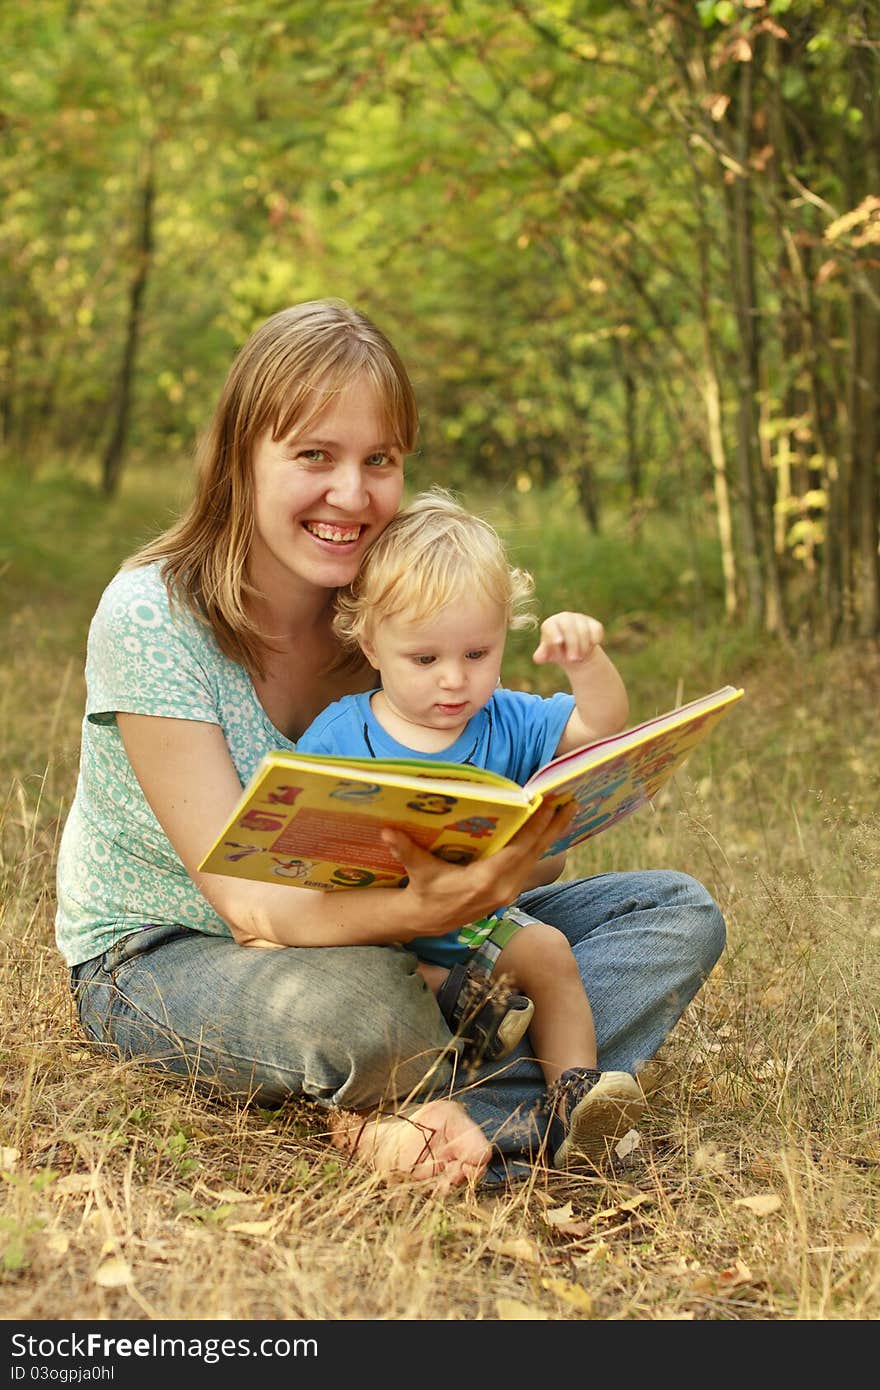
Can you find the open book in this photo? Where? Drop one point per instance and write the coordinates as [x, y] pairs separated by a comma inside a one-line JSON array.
[[315, 821]]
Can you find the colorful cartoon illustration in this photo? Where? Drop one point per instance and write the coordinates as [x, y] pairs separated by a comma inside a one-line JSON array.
[[587, 822], [241, 851], [292, 867], [588, 801], [455, 854], [346, 790], [432, 803], [261, 820], [478, 827], [359, 878], [285, 795]]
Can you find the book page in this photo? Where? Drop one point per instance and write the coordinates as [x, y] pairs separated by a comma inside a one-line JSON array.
[[559, 770], [611, 780]]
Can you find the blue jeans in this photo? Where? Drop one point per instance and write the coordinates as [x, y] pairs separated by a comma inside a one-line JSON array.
[[356, 1026]]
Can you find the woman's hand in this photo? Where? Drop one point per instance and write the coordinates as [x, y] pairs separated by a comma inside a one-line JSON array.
[[189, 780], [547, 870], [443, 896]]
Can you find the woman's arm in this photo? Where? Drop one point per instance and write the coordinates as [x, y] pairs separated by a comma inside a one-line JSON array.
[[190, 782]]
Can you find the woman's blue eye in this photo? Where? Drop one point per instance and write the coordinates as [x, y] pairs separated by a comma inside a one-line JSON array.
[[311, 455]]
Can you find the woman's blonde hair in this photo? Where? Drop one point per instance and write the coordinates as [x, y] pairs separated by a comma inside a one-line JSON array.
[[429, 555], [284, 376]]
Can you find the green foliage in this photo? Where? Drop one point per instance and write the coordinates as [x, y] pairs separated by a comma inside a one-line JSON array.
[[15, 1242], [59, 538], [535, 201], [17, 1232], [176, 1147]]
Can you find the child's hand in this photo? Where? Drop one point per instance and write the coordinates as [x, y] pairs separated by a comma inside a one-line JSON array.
[[569, 639]]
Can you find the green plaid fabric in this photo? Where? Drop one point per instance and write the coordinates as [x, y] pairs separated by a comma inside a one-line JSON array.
[[501, 930]]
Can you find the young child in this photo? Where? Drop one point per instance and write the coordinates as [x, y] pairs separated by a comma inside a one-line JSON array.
[[430, 608]]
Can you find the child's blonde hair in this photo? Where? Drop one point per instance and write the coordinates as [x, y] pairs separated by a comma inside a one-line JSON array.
[[430, 554]]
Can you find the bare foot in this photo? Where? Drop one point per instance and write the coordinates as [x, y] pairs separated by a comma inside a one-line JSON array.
[[437, 1141]]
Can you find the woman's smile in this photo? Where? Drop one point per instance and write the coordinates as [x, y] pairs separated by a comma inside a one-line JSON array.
[[333, 533], [321, 497]]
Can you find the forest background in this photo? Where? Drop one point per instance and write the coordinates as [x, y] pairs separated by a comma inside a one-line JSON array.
[[631, 254], [629, 247]]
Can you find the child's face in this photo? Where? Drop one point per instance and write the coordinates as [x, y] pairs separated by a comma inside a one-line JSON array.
[[438, 673]]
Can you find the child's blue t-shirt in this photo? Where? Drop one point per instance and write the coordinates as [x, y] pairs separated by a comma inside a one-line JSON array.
[[514, 734]]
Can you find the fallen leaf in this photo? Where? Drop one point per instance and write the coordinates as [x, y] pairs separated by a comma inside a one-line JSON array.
[[738, 1273], [58, 1244], [774, 1066], [112, 1273], [600, 1251], [74, 1183], [703, 1284], [570, 1293], [762, 1204], [512, 1310], [709, 1158], [517, 1248], [563, 1220], [557, 1216], [251, 1228], [578, 1230], [624, 1208], [638, 1199], [9, 1157], [628, 1144], [226, 1194]]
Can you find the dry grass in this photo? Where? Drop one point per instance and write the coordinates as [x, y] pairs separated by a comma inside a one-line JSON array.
[[753, 1190]]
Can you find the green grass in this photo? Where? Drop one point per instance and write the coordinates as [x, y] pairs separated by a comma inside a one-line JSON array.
[[753, 1192]]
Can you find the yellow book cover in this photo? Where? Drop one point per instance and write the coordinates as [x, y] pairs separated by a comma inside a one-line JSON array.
[[315, 821]]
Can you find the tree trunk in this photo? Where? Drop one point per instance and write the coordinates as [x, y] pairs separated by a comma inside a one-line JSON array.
[[712, 402], [866, 455], [586, 486], [633, 461], [115, 451], [765, 591], [723, 514], [867, 569]]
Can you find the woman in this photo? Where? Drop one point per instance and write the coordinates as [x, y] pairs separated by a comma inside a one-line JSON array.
[[213, 645]]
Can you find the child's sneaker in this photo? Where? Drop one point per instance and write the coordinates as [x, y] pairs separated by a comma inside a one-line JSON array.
[[589, 1111], [489, 1018]]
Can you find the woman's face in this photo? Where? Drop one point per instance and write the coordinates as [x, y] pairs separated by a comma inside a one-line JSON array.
[[322, 496]]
